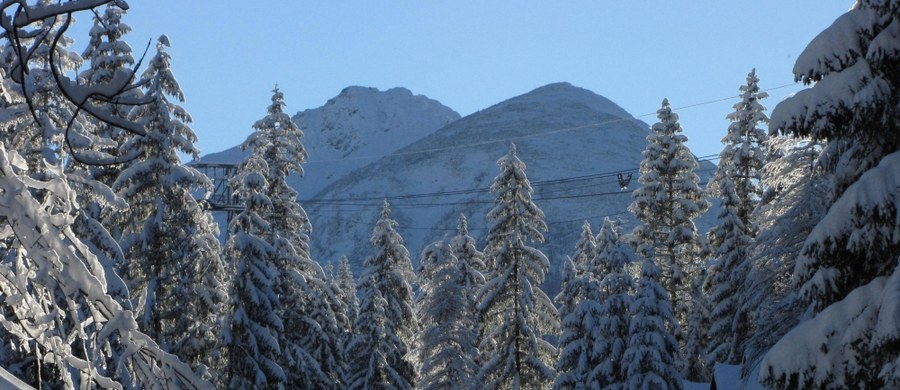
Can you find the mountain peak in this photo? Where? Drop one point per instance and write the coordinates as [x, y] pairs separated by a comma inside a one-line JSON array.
[[566, 93]]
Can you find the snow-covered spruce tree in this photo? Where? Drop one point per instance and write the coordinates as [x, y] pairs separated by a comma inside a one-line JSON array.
[[347, 283], [311, 354], [574, 267], [650, 359], [447, 342], [729, 330], [386, 278], [471, 261], [174, 269], [255, 326], [665, 205], [796, 196], [584, 249], [847, 272], [743, 157], [737, 183], [579, 312], [108, 56], [514, 311], [376, 354], [696, 343], [566, 298], [610, 264]]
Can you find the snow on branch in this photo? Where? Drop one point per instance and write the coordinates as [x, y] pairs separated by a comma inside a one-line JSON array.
[[38, 25], [56, 288]]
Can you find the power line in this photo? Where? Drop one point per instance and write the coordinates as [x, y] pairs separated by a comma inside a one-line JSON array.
[[349, 201]]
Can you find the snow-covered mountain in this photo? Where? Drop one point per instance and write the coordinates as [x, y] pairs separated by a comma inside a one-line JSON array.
[[353, 129], [572, 140]]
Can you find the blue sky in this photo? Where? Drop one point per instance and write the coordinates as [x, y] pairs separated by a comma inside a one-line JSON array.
[[472, 54]]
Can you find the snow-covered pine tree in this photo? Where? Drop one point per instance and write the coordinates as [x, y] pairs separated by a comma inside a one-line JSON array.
[[584, 249], [471, 261], [347, 283], [311, 353], [174, 267], [650, 359], [847, 272], [376, 355], [514, 311], [737, 183], [448, 340], [255, 326], [108, 56], [566, 298], [728, 331], [696, 368], [665, 205], [610, 264], [386, 278], [579, 311], [796, 195], [574, 267], [743, 157]]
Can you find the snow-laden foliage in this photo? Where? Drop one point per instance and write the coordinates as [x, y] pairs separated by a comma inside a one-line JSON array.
[[255, 326], [578, 301], [574, 267], [852, 343], [40, 135], [610, 264], [347, 284], [174, 268], [665, 204], [737, 183], [106, 51], [696, 367], [730, 326], [514, 311], [795, 197], [584, 249], [595, 331], [376, 354], [743, 157], [387, 323], [855, 342], [471, 261], [447, 343], [56, 289], [311, 354], [109, 56], [854, 101], [853, 106], [566, 299], [650, 359]]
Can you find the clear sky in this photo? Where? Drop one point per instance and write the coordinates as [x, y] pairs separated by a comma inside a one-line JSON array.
[[469, 55]]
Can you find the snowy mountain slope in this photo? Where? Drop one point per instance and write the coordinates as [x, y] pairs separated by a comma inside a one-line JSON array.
[[572, 140], [344, 133]]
